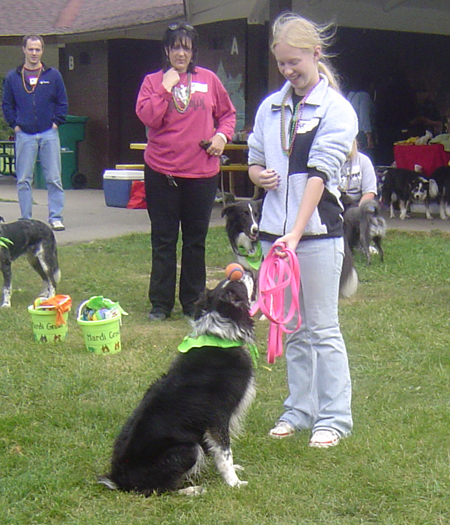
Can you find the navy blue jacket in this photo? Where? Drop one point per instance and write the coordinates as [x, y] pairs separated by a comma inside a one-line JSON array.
[[37, 111]]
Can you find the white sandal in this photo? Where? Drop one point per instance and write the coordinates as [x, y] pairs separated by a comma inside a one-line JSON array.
[[281, 430]]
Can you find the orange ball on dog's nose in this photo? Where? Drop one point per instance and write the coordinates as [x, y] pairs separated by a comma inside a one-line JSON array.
[[234, 271]]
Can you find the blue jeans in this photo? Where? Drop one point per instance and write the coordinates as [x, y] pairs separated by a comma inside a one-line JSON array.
[[47, 146], [316, 357]]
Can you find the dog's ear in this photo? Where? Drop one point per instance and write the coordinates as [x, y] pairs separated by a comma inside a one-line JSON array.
[[236, 294], [2, 219], [201, 304], [258, 205], [227, 210]]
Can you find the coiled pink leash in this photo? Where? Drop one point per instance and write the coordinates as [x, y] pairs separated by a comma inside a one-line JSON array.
[[276, 274]]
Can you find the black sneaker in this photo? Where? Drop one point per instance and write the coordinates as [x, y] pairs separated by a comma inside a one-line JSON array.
[[157, 316]]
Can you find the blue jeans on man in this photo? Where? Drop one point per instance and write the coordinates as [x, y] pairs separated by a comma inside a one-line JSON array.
[[47, 146]]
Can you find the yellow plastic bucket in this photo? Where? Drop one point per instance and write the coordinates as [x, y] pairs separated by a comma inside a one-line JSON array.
[[44, 326], [102, 337]]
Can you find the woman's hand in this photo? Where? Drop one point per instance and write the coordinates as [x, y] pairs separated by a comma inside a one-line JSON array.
[[170, 79], [217, 146], [264, 178], [290, 240]]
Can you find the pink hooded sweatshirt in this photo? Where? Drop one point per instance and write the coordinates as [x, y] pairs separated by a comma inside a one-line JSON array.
[[174, 137]]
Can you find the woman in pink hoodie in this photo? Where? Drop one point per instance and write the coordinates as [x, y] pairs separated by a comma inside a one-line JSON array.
[[189, 118]]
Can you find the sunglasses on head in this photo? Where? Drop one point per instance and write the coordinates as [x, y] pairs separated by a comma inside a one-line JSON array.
[[180, 25]]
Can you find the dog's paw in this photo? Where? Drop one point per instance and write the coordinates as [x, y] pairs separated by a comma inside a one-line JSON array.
[[240, 483], [6, 305], [104, 480], [192, 491], [238, 467]]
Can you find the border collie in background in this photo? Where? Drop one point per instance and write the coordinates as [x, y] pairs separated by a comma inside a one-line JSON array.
[[424, 190], [397, 186], [35, 240], [242, 227], [192, 410], [363, 226]]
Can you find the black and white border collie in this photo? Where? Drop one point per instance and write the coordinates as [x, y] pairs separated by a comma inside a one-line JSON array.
[[424, 190], [242, 227], [192, 410], [435, 188], [35, 240], [397, 187]]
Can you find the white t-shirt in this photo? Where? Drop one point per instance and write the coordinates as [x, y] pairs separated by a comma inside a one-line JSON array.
[[358, 177]]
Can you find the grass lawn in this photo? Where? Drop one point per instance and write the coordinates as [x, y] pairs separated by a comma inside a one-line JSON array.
[[61, 407]]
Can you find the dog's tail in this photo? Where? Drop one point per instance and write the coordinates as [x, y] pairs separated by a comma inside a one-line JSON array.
[[56, 272], [349, 278], [54, 264], [377, 227]]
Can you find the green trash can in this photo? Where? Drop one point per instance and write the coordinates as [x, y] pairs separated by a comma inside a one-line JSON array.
[[70, 134]]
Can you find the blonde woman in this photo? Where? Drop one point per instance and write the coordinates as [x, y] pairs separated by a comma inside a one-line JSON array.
[[358, 179], [302, 137]]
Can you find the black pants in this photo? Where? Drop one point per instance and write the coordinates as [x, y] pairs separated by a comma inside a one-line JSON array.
[[172, 202]]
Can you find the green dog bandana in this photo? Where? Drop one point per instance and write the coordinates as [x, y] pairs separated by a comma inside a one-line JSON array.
[[254, 260], [191, 341]]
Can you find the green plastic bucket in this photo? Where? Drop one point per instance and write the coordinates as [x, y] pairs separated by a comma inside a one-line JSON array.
[[102, 337], [44, 326]]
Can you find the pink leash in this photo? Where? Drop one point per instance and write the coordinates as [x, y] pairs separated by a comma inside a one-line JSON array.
[[275, 275]]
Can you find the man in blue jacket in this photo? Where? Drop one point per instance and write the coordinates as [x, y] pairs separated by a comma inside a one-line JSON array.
[[34, 105]]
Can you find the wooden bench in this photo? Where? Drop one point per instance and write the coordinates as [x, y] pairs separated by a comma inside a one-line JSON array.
[[129, 166]]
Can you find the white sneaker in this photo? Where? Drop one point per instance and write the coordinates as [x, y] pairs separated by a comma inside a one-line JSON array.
[[281, 430], [57, 226], [324, 438]]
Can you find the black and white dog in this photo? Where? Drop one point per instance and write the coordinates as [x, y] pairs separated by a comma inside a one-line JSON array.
[[192, 410], [397, 186], [424, 190], [242, 226], [37, 241], [363, 226], [436, 188]]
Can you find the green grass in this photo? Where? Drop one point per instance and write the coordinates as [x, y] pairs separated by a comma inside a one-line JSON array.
[[62, 407]]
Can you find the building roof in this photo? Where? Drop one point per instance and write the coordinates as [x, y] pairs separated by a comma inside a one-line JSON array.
[[60, 17]]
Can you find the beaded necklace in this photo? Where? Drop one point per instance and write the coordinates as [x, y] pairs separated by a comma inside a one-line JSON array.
[[288, 145], [25, 83], [188, 98]]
